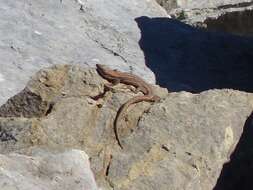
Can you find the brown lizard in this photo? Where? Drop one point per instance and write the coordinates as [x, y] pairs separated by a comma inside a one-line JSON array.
[[116, 77]]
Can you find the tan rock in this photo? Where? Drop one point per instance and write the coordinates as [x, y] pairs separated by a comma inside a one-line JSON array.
[[180, 142]]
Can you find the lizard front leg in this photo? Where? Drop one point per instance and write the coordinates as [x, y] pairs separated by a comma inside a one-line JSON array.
[[109, 86]]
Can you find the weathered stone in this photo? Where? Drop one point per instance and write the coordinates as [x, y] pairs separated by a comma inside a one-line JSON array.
[[37, 99], [180, 142], [201, 4], [38, 34], [20, 133], [233, 16], [46, 170], [168, 4], [236, 22]]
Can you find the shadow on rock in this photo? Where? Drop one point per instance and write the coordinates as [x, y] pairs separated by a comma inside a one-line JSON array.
[[190, 59], [238, 172]]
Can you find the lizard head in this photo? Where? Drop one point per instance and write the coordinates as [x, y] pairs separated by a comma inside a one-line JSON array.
[[101, 68]]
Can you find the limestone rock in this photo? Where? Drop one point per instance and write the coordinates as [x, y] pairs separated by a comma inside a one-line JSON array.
[[198, 4], [38, 34], [168, 4], [180, 142], [46, 170], [233, 16], [185, 141]]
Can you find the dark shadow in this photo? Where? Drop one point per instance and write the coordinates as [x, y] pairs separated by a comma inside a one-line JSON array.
[[238, 172], [186, 58], [237, 22]]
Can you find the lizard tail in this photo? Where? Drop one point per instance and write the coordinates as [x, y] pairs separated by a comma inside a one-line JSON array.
[[123, 109]]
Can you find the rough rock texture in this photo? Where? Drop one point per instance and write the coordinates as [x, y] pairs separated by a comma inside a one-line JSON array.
[[168, 4], [185, 141], [180, 142], [36, 34], [198, 4], [234, 16], [237, 22], [46, 170]]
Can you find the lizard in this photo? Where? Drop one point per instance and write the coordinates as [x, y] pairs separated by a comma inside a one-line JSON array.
[[116, 77]]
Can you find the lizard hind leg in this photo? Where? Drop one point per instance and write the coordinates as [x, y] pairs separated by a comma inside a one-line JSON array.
[[109, 86], [133, 89], [115, 81], [138, 89]]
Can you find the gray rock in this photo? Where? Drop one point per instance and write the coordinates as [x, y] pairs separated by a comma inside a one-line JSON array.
[[46, 170], [39, 34], [198, 4], [168, 5], [180, 142], [234, 16]]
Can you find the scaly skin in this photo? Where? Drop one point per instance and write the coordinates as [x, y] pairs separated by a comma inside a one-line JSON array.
[[129, 79]]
